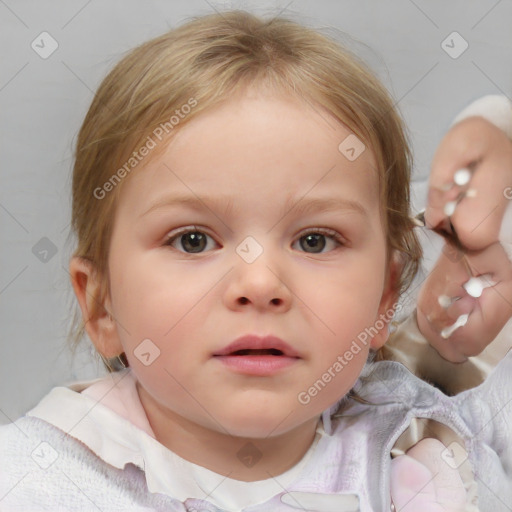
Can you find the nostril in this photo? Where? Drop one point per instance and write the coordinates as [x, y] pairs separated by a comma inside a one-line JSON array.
[[276, 301], [243, 300]]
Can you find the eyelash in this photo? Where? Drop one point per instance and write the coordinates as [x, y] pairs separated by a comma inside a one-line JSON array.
[[330, 233]]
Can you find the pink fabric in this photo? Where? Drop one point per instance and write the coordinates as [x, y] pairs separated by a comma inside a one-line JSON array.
[[421, 481], [119, 393]]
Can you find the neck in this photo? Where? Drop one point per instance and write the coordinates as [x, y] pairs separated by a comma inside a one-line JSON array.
[[239, 458]]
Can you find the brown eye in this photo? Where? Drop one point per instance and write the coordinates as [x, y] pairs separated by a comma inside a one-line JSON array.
[[193, 242], [315, 242], [189, 241]]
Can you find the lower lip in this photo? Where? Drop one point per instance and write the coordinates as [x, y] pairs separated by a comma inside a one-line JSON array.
[[257, 365]]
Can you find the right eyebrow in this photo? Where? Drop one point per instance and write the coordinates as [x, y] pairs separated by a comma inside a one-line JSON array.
[[198, 203]]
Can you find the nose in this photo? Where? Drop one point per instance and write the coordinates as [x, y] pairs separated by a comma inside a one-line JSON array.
[[259, 285]]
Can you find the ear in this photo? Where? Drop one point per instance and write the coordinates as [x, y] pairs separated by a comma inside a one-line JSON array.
[[388, 302], [99, 324]]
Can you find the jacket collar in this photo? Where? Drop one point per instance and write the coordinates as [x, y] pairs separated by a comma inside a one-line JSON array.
[[118, 442]]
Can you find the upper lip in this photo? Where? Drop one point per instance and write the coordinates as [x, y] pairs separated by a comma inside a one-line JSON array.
[[254, 342]]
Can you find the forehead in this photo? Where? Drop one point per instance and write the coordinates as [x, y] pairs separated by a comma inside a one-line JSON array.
[[261, 144]]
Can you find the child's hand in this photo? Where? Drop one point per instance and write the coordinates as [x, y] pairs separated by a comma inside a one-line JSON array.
[[477, 144], [474, 210], [421, 481], [444, 299]]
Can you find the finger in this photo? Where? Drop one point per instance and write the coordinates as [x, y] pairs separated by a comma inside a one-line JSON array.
[[446, 307], [480, 204], [459, 148], [495, 304], [477, 219], [446, 348], [442, 334], [492, 261], [459, 306], [488, 313], [435, 217], [443, 286]]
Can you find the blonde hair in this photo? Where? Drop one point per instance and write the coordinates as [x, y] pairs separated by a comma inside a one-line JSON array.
[[208, 59]]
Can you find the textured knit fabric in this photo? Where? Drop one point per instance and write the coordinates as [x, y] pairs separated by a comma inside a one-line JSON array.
[[96, 416], [43, 468]]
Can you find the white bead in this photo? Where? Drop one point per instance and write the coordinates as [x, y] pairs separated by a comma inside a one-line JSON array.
[[474, 287], [460, 322], [449, 208], [444, 301], [462, 177]]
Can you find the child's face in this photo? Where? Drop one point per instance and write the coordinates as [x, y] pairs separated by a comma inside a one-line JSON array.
[[243, 167]]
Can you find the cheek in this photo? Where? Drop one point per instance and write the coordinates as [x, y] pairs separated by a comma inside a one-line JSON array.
[[346, 308], [350, 296], [150, 301]]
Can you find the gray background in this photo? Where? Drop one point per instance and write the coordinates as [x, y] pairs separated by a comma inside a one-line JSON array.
[[43, 101]]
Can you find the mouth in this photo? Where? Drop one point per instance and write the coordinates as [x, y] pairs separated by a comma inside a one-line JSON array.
[[258, 356], [253, 345], [257, 352]]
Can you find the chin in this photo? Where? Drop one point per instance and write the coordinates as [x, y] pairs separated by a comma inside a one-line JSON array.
[[262, 425]]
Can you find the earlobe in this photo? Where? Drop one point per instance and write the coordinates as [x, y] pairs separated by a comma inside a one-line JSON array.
[[96, 311]]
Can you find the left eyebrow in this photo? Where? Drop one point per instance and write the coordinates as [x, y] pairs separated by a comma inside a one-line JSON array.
[[302, 206], [322, 204]]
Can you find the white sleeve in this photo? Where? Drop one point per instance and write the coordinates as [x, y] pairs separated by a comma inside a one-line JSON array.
[[496, 109]]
